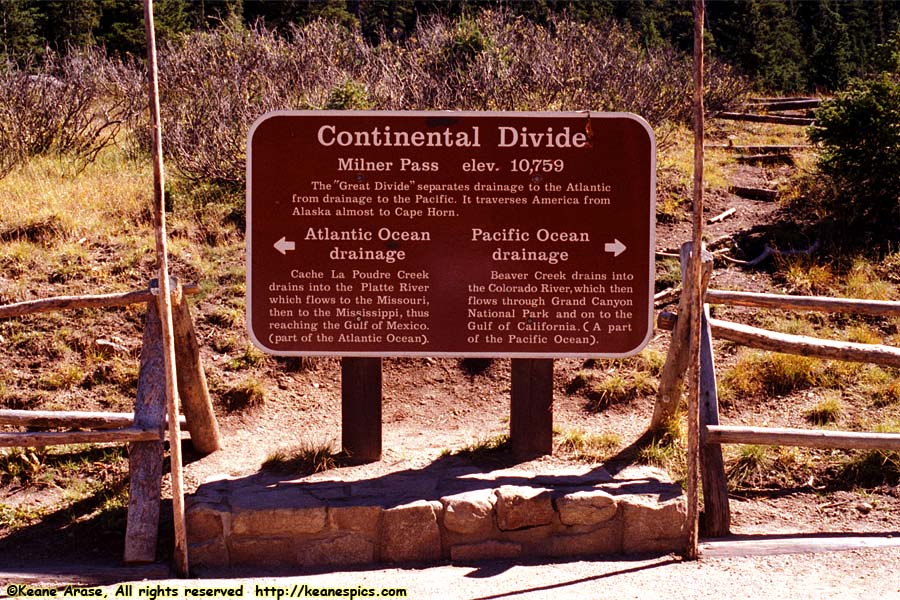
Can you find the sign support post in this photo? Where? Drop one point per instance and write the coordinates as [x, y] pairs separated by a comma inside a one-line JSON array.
[[531, 407], [361, 409]]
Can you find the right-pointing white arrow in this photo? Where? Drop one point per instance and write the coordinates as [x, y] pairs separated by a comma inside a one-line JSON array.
[[283, 245], [616, 247]]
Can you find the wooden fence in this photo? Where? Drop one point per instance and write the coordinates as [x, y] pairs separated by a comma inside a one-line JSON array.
[[143, 430], [716, 515]]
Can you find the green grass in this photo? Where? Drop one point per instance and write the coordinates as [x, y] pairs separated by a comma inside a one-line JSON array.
[[667, 450], [490, 450], [827, 411], [588, 447], [306, 458], [758, 373], [246, 394]]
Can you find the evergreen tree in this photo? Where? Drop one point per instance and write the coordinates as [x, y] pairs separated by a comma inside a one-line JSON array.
[[69, 23], [827, 46], [763, 38], [121, 28], [19, 35]]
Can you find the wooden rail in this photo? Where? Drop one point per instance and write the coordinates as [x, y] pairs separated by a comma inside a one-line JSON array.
[[67, 418], [32, 439], [808, 438], [71, 302], [878, 308], [763, 339]]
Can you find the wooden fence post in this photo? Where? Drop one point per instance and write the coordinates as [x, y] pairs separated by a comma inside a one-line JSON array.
[[145, 459], [531, 408], [192, 386], [716, 511], [361, 408], [671, 380]]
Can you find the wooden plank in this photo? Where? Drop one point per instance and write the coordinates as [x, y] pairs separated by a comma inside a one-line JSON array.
[[794, 544], [67, 418], [145, 459], [716, 511], [757, 118], [794, 344], [531, 408], [192, 386], [807, 438], [361, 408], [72, 302], [818, 303], [33, 439]]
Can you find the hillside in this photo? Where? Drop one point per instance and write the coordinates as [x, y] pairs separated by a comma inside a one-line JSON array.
[[66, 233]]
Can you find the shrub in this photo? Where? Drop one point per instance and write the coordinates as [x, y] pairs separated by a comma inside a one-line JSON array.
[[215, 84], [859, 135], [73, 105]]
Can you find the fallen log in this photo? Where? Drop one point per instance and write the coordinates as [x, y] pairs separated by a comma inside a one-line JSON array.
[[754, 193], [722, 216], [757, 118], [764, 149], [766, 159], [780, 105]]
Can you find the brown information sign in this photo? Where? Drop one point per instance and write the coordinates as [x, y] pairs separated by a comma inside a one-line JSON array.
[[524, 235]]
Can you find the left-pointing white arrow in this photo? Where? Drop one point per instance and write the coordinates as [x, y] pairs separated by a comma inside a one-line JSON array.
[[283, 245], [616, 247]]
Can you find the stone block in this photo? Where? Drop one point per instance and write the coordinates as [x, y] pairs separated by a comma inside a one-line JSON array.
[[212, 554], [653, 525], [604, 540], [484, 551], [469, 513], [410, 532], [258, 551], [358, 519], [530, 536], [588, 507], [203, 522], [519, 507], [350, 549], [287, 522]]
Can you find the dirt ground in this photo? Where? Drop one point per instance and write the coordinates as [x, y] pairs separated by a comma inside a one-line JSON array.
[[432, 406]]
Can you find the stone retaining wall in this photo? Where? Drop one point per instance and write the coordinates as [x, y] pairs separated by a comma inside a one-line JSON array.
[[465, 515]]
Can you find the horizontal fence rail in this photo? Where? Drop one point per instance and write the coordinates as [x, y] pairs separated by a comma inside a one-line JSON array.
[[807, 438], [33, 439], [877, 308], [75, 419], [43, 305], [763, 339]]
